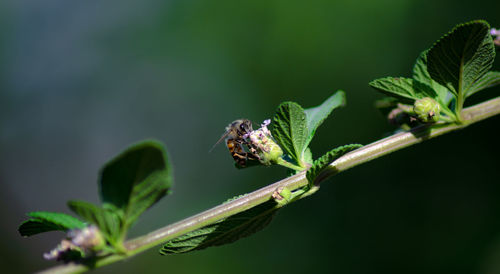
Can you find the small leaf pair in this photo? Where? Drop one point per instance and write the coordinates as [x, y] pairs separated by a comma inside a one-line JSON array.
[[454, 68], [294, 127], [134, 181], [129, 184]]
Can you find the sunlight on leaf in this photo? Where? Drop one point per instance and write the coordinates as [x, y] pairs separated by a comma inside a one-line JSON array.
[[135, 180], [462, 56]]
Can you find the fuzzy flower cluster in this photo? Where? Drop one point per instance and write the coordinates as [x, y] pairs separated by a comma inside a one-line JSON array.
[[83, 241], [264, 145], [496, 36]]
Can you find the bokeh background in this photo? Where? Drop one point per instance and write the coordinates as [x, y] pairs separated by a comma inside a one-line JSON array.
[[81, 80]]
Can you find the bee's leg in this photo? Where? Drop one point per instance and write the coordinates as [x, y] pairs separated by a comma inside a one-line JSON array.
[[240, 158], [253, 155], [237, 152]]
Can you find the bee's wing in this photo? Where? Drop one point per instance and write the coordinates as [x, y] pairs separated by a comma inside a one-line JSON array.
[[220, 140]]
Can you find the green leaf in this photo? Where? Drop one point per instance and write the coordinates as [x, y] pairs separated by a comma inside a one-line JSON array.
[[420, 72], [490, 79], [135, 180], [462, 56], [107, 221], [308, 157], [289, 129], [423, 83], [42, 221], [399, 87], [316, 115], [324, 161], [225, 231]]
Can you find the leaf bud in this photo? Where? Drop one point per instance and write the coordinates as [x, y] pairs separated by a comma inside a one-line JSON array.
[[282, 196]]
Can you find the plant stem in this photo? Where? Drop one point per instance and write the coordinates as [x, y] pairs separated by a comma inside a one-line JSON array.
[[287, 164], [364, 154], [460, 94], [458, 108]]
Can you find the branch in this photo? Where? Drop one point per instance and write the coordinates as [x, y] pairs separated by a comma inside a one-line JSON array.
[[367, 153]]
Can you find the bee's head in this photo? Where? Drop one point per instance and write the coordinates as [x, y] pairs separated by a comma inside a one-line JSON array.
[[246, 126]]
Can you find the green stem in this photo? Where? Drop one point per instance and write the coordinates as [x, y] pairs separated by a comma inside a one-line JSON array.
[[460, 94], [287, 164], [458, 107], [367, 153]]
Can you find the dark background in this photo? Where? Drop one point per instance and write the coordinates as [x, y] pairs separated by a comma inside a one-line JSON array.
[[81, 80]]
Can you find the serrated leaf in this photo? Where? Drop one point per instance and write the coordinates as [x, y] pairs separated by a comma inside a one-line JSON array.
[[289, 129], [135, 180], [107, 221], [422, 82], [223, 232], [462, 56], [420, 72], [43, 221], [490, 79], [306, 157], [324, 161], [399, 87], [316, 115]]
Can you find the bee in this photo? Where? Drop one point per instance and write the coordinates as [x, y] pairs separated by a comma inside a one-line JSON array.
[[235, 140]]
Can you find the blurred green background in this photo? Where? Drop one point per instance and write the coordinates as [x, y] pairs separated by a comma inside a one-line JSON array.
[[79, 81]]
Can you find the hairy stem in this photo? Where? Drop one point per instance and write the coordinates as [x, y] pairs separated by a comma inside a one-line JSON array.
[[367, 153]]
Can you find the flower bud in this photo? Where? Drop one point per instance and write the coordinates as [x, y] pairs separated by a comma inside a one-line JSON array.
[[282, 196], [427, 110]]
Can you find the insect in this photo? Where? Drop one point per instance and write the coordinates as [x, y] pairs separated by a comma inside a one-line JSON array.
[[235, 140]]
